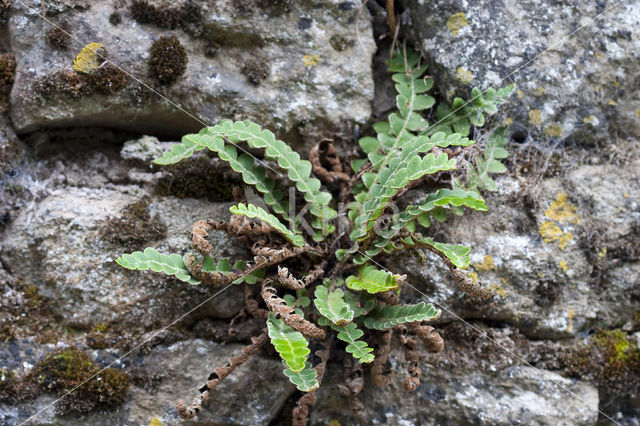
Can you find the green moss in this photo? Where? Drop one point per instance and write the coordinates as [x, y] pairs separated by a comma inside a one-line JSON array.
[[168, 60], [66, 369], [610, 359], [135, 227]]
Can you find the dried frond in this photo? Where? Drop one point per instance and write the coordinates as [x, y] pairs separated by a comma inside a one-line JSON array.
[[286, 279], [323, 155], [352, 386], [278, 306], [381, 374], [188, 412], [429, 336]]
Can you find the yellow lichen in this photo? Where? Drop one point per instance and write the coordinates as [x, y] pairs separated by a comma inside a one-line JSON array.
[[540, 91], [590, 119], [456, 22], [520, 94], [638, 113], [625, 195], [563, 265], [564, 240], [570, 315], [486, 264], [562, 211], [507, 121], [311, 60], [612, 102], [602, 252], [89, 58], [553, 130], [155, 422], [499, 290], [465, 76], [335, 422], [535, 117], [599, 55], [474, 277], [550, 231]]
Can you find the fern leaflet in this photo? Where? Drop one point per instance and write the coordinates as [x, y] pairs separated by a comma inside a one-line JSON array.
[[306, 380], [290, 344], [372, 280], [252, 211], [384, 317], [170, 264], [332, 305]]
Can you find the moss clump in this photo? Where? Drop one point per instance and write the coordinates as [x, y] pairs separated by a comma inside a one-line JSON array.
[[165, 17], [135, 227], [58, 37], [115, 18], [66, 83], [7, 69], [168, 60], [108, 79], [256, 69], [198, 181], [67, 368], [8, 386], [610, 359]]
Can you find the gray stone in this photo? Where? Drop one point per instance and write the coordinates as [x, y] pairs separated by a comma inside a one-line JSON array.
[[537, 263], [58, 244], [309, 82], [244, 398], [584, 87], [515, 395]]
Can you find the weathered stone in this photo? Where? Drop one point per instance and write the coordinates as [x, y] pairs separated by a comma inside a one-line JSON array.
[[583, 87], [540, 263], [515, 395], [309, 82]]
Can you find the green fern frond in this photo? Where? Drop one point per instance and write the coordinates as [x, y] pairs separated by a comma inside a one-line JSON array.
[[384, 317], [306, 380], [298, 170], [359, 349], [190, 144], [290, 344], [373, 280], [361, 302], [478, 176], [332, 305], [256, 212], [150, 258]]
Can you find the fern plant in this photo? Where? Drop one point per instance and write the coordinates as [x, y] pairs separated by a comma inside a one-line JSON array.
[[311, 284]]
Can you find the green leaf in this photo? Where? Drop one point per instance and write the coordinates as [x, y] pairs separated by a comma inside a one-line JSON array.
[[332, 305], [170, 264], [361, 302], [306, 380], [357, 348], [369, 144], [388, 316], [372, 280], [298, 170], [252, 211], [290, 344], [181, 151]]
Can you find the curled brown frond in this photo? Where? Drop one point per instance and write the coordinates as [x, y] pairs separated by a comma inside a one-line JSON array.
[[381, 373], [279, 307], [188, 412], [412, 380], [429, 336], [252, 305], [286, 279], [300, 413], [236, 226], [352, 386], [326, 163]]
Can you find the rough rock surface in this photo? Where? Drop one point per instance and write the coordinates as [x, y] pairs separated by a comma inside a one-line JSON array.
[[62, 244], [543, 259], [170, 372], [315, 71], [516, 395], [584, 87]]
